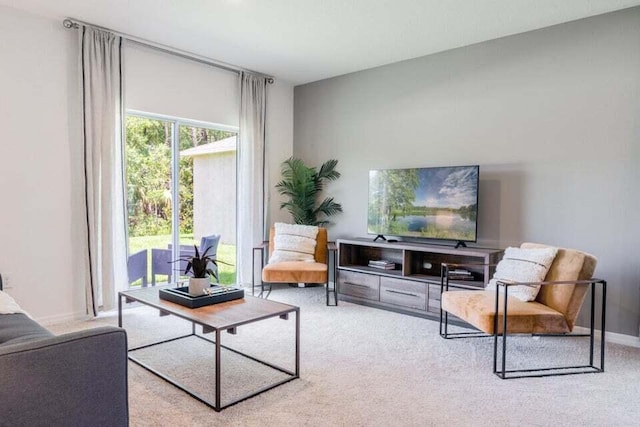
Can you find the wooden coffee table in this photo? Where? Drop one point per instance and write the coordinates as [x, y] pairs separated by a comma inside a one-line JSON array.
[[216, 318]]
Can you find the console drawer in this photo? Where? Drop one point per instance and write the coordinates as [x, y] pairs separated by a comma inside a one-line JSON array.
[[404, 293], [359, 285], [434, 292]]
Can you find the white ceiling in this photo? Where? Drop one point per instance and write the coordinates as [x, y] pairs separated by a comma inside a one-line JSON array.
[[307, 40]]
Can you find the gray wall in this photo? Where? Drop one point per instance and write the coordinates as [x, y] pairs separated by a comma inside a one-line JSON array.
[[551, 116]]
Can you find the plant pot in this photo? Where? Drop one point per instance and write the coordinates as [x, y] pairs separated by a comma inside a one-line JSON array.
[[197, 286]]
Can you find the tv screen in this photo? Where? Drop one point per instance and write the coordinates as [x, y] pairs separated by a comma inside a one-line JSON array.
[[432, 203]]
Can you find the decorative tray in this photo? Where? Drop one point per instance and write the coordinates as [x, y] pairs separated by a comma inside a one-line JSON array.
[[217, 295]]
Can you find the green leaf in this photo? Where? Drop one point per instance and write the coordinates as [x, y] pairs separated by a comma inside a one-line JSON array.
[[301, 185]]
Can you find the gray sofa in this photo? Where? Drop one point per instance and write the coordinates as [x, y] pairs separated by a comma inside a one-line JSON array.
[[75, 379]]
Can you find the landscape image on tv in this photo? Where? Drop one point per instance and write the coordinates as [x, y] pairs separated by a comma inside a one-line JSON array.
[[434, 203]]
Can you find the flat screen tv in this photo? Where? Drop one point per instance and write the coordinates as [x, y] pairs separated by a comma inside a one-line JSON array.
[[432, 203]]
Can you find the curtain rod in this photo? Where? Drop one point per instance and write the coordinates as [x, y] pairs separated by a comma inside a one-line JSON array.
[[70, 23]]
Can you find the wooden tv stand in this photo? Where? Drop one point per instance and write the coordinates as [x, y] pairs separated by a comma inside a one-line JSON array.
[[413, 286]]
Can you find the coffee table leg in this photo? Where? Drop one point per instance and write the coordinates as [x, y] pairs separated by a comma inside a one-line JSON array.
[[119, 311], [218, 335]]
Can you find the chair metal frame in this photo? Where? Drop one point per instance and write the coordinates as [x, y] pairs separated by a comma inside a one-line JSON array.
[[502, 371]]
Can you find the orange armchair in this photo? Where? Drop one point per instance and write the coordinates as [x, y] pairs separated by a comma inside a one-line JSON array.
[[552, 313], [298, 271]]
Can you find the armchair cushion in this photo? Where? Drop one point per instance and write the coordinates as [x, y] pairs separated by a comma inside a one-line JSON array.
[[295, 272], [294, 242], [523, 265], [478, 309]]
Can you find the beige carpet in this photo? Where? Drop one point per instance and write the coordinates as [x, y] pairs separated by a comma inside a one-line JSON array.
[[366, 367]]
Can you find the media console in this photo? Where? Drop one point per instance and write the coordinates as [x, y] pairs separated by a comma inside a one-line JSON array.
[[411, 285]]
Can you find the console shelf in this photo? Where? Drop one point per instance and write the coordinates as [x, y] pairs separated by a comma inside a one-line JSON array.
[[413, 286]]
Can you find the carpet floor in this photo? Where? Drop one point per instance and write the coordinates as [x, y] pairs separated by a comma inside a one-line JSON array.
[[362, 366]]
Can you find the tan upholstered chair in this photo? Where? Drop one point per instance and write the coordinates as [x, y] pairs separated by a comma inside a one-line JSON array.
[[553, 312], [298, 271]]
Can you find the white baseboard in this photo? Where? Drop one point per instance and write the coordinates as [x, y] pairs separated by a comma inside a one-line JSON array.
[[612, 337], [62, 318]]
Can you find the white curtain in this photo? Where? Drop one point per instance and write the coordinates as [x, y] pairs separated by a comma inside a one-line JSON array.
[[100, 56], [251, 171]]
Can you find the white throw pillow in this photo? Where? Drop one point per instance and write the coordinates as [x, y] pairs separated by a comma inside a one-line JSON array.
[[294, 242], [523, 265], [8, 305]]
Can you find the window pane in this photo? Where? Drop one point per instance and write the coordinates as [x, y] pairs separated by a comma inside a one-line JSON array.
[[208, 194], [206, 190], [149, 204]]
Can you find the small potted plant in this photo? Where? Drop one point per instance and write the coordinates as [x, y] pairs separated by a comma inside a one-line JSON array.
[[199, 265]]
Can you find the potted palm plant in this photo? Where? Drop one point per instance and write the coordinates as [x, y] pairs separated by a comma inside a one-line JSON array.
[[302, 185]]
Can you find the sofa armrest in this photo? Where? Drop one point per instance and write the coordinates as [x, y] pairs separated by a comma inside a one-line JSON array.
[[78, 378]]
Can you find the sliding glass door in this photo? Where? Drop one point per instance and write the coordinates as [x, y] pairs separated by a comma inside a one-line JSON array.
[[181, 193]]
